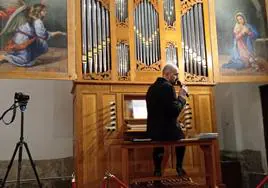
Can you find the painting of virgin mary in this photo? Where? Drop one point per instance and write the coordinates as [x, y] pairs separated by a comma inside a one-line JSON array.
[[243, 52], [242, 39]]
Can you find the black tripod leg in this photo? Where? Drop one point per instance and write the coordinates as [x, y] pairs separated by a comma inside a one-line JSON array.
[[10, 165], [19, 165], [32, 163]]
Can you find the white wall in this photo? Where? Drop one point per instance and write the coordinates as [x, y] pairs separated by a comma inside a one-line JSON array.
[[48, 128], [239, 118], [225, 117]]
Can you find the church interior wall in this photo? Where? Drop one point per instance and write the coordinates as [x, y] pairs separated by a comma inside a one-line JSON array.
[[48, 127], [240, 125]]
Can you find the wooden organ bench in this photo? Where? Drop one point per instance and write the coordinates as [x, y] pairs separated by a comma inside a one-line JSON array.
[[206, 145]]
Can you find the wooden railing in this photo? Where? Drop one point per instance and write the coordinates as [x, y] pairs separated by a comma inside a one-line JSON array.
[[263, 182]]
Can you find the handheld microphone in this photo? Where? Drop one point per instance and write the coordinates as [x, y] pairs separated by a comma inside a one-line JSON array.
[[183, 87]]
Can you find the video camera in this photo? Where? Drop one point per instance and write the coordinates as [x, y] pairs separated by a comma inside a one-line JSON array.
[[20, 97]]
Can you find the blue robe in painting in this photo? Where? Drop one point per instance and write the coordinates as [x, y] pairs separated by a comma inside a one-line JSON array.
[[26, 57], [242, 44]]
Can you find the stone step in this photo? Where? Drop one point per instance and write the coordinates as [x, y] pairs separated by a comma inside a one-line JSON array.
[[45, 184]]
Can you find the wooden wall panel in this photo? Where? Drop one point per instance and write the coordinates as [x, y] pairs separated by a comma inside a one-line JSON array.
[[204, 115], [141, 163], [113, 156], [120, 111], [191, 160], [90, 140], [129, 88]]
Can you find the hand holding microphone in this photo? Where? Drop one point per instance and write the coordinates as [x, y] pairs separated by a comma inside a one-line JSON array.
[[183, 90]]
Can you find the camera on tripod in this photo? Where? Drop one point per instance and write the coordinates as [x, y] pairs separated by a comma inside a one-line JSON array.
[[20, 100], [20, 97]]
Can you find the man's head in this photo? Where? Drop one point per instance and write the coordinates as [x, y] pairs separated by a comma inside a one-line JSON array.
[[170, 72]]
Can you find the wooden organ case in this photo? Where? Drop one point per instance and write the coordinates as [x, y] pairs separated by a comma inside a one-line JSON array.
[[121, 48]]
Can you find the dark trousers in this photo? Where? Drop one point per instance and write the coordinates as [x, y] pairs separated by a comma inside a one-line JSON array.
[[158, 154]]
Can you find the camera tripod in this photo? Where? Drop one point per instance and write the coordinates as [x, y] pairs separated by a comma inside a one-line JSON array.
[[19, 147]]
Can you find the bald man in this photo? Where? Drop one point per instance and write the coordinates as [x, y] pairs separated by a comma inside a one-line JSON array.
[[163, 108]]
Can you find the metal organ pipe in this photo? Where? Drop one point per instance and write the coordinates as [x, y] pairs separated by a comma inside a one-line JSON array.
[[89, 36], [150, 34], [104, 43], [121, 10], [186, 44], [95, 42], [147, 27], [84, 37], [136, 31], [96, 37], [169, 12], [170, 18], [202, 40], [108, 39], [193, 58], [99, 37], [154, 42], [171, 55], [147, 42], [122, 59], [197, 38], [140, 33], [193, 40], [143, 32], [189, 33]]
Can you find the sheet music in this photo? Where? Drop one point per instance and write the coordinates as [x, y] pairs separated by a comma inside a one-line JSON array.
[[139, 109]]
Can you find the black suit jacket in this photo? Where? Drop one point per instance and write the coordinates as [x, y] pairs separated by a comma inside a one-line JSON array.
[[163, 108]]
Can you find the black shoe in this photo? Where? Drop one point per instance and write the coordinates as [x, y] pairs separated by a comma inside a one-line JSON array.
[[181, 172], [157, 173], [157, 184], [183, 175]]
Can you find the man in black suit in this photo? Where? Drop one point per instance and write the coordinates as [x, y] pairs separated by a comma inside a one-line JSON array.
[[163, 107]]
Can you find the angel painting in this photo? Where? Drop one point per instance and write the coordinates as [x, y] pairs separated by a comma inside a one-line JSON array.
[[24, 35]]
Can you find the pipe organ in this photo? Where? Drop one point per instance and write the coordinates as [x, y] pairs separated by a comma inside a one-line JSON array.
[[122, 37], [123, 47]]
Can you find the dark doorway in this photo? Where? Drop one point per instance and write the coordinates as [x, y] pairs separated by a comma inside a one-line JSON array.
[[264, 103]]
